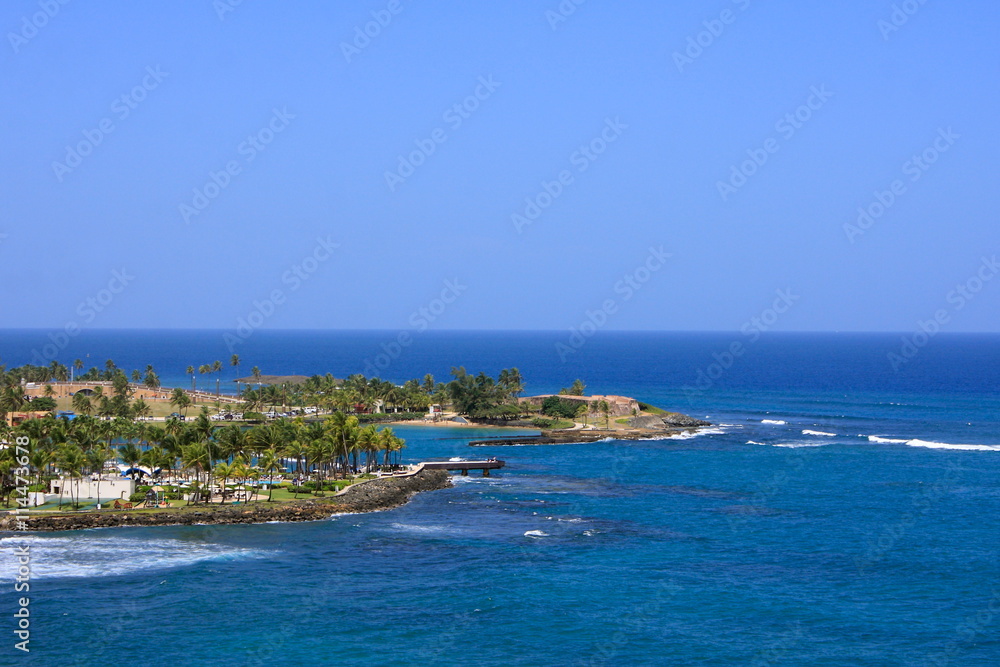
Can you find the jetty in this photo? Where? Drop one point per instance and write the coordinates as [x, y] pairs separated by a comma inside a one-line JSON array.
[[464, 466]]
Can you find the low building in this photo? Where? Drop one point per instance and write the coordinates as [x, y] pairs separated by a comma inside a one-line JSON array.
[[18, 418], [86, 488], [620, 406]]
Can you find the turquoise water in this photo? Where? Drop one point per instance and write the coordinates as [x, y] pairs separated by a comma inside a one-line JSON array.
[[860, 531]]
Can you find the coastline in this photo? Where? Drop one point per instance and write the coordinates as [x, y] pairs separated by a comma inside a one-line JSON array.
[[370, 496]]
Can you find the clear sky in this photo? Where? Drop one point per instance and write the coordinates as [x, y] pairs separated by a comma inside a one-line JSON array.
[[218, 154]]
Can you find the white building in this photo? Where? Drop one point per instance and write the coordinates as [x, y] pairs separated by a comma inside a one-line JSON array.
[[86, 489]]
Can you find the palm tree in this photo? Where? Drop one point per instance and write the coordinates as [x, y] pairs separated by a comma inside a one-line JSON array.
[[225, 471], [389, 443], [71, 460], [190, 371], [40, 459], [196, 456], [255, 372], [297, 451], [130, 455], [140, 408], [269, 436], [81, 403], [78, 365], [12, 399], [269, 463], [366, 442], [180, 399], [233, 441], [605, 409], [216, 368], [96, 457], [234, 361], [156, 458]]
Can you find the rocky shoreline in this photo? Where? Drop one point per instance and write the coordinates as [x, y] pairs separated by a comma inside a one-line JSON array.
[[644, 427], [373, 496]]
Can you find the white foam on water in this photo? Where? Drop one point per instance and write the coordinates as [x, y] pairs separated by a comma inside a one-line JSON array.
[[535, 533], [92, 556], [414, 528], [687, 435], [796, 445], [776, 422], [822, 433], [916, 442], [754, 442], [945, 445]]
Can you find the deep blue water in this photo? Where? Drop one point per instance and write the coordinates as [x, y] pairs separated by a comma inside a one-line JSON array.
[[840, 513]]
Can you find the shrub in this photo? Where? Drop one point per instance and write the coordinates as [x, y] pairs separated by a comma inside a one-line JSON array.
[[541, 422], [553, 406], [42, 403], [137, 497]]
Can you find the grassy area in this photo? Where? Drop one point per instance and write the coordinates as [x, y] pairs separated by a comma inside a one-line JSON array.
[[542, 422], [652, 409], [156, 408]]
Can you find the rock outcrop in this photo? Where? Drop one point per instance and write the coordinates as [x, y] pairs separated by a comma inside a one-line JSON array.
[[378, 494], [684, 421]]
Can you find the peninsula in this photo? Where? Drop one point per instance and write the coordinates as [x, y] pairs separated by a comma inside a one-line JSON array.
[[110, 448]]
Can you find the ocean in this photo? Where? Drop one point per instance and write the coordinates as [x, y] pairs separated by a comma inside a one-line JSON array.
[[842, 510]]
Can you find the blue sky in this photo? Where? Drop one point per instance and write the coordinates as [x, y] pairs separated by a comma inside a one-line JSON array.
[[611, 119]]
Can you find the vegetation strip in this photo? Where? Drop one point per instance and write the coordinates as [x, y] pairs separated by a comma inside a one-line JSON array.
[[371, 496]]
